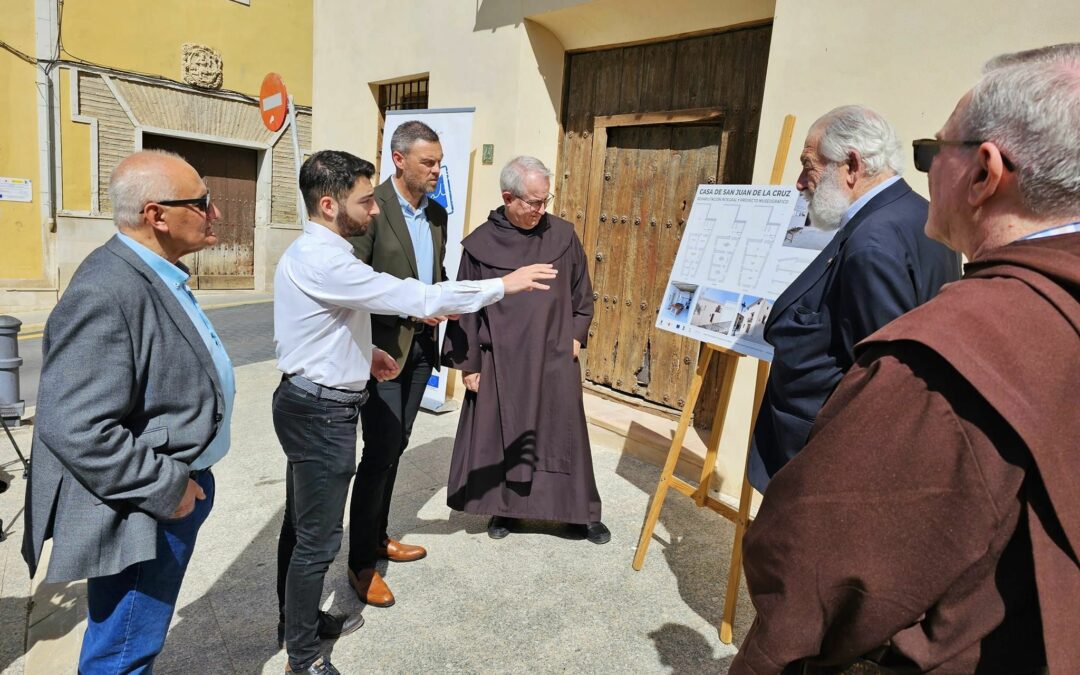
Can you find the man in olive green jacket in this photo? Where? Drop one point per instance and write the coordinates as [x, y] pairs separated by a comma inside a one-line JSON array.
[[407, 239]]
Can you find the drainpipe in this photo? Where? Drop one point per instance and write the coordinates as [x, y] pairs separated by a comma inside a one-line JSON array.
[[51, 114]]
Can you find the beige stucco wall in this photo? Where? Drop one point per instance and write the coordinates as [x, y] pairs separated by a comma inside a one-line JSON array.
[[503, 57], [909, 60]]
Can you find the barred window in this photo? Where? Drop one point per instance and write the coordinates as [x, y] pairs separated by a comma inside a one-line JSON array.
[[408, 95]]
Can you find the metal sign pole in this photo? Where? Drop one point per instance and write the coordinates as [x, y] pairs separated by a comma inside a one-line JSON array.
[[300, 208]]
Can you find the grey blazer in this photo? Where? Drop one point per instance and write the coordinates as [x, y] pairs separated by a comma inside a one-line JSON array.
[[128, 398]]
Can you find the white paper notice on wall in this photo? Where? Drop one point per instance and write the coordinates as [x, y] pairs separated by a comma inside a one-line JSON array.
[[742, 246], [16, 190]]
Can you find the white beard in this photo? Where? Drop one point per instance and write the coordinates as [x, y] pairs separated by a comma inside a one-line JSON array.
[[828, 203]]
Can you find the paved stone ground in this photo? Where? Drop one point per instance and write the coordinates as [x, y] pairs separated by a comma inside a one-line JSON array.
[[14, 580], [541, 600], [247, 330]]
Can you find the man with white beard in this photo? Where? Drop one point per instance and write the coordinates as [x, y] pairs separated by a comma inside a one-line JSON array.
[[878, 266]]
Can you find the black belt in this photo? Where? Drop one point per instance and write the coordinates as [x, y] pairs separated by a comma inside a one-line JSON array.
[[329, 393]]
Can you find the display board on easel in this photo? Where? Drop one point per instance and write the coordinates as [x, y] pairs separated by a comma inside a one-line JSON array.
[[742, 246]]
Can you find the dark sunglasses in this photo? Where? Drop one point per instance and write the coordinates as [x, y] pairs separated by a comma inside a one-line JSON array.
[[926, 149], [202, 202]]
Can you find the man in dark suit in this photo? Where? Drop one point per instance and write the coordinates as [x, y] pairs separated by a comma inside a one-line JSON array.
[[877, 266], [406, 239], [134, 407]]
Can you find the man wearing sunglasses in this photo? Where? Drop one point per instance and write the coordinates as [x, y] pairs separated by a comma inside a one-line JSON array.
[[935, 512], [134, 409], [878, 265]]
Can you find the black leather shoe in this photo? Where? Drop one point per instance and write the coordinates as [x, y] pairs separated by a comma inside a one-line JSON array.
[[319, 667], [597, 533], [330, 627], [499, 527]]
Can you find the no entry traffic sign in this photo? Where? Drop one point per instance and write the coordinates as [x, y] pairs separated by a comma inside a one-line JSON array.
[[273, 101]]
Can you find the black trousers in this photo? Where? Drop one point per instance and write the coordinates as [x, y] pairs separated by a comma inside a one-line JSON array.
[[319, 440], [387, 420]]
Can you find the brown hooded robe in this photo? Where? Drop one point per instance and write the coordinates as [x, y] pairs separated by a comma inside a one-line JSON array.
[[522, 447], [933, 520]]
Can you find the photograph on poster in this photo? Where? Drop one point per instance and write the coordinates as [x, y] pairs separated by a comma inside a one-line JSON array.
[[677, 301], [801, 234], [752, 315], [716, 311]]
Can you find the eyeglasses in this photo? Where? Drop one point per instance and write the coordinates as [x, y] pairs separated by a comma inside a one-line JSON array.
[[202, 202], [536, 204], [926, 149]]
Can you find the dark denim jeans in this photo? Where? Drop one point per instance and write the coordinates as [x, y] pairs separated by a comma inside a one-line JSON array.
[[319, 440], [387, 421], [130, 611]]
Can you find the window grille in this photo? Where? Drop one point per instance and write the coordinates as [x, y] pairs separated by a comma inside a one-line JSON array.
[[408, 95]]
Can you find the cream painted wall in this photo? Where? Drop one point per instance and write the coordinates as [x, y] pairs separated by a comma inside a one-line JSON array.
[[493, 71], [504, 57], [910, 60], [611, 22]]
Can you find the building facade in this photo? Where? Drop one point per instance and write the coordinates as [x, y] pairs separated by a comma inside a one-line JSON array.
[[89, 83], [634, 104]]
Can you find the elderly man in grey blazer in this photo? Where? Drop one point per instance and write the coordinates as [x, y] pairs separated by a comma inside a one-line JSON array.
[[134, 408]]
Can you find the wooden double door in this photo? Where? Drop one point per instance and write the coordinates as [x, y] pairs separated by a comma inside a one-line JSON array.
[[231, 175], [643, 127]]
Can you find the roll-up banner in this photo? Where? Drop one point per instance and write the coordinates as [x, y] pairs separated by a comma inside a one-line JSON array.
[[454, 127]]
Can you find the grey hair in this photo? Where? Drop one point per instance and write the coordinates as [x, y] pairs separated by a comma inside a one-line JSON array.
[[133, 185], [860, 129], [409, 133], [512, 178], [1028, 103]]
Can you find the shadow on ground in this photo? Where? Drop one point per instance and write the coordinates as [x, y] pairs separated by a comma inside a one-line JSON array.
[[686, 651], [698, 556]]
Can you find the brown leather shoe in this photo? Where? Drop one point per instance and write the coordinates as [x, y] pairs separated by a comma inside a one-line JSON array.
[[370, 587], [395, 551]]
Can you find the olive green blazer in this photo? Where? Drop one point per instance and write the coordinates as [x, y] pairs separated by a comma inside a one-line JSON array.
[[387, 247]]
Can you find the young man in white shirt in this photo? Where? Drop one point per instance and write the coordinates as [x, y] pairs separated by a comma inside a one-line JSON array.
[[323, 300]]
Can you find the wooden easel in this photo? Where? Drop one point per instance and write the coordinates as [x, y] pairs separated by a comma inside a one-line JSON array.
[[700, 492]]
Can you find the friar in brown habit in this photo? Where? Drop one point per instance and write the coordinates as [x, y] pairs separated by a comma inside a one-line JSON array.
[[932, 523], [522, 447]]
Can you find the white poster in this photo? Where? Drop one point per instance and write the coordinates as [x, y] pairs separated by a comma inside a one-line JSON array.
[[454, 127], [743, 245], [16, 189]]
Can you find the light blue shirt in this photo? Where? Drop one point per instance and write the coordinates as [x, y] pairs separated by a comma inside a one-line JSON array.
[[865, 199], [420, 231], [1067, 228], [176, 279]]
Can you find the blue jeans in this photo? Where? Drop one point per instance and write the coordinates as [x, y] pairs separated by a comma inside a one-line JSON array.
[[130, 611]]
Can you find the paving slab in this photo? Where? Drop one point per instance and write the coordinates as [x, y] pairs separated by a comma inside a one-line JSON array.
[[543, 600]]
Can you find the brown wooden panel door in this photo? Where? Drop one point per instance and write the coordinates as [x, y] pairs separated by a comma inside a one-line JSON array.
[[231, 175], [652, 169], [650, 176]]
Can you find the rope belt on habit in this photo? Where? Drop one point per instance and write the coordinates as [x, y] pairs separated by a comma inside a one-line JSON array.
[[319, 391]]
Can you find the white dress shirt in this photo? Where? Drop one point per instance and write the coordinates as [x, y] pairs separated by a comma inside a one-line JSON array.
[[324, 298]]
